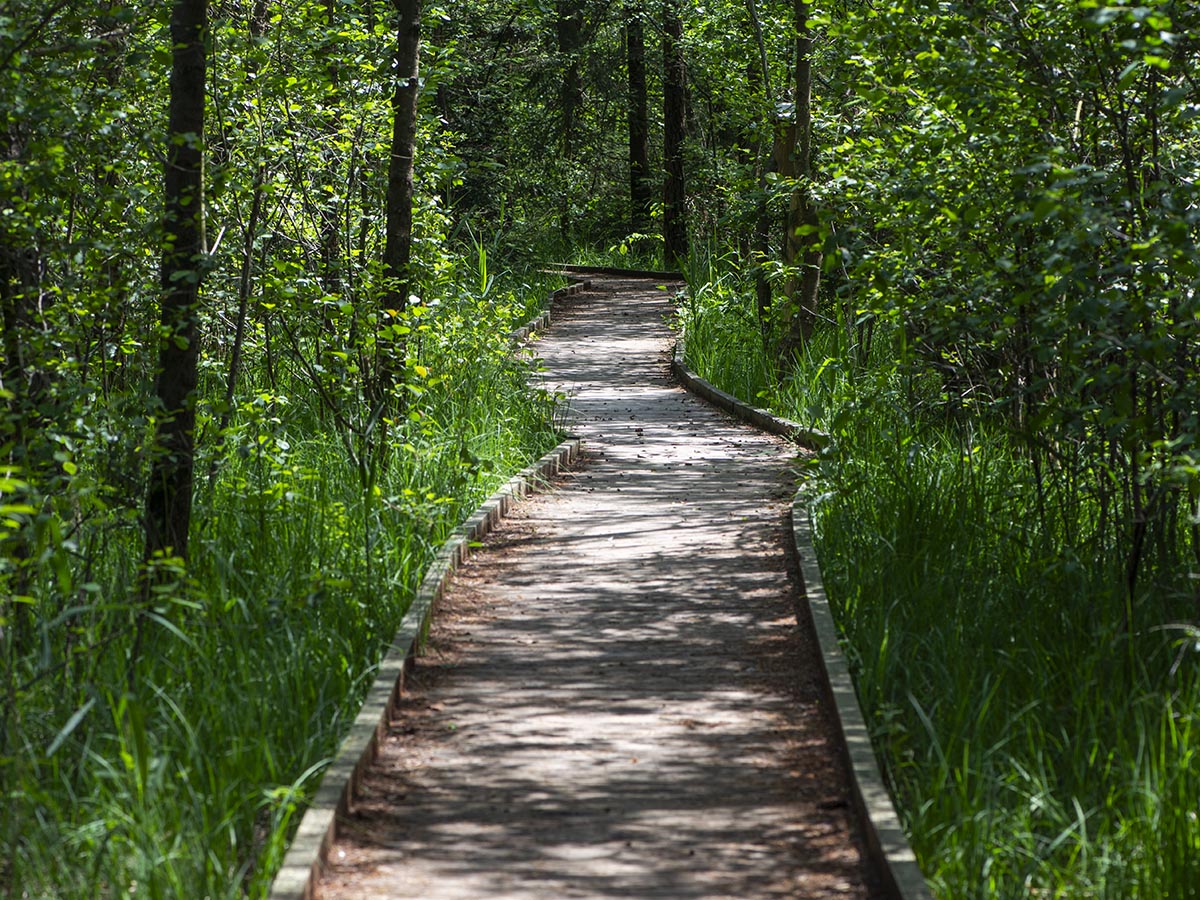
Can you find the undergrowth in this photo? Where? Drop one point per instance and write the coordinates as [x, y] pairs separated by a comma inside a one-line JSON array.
[[168, 750], [1039, 731], [634, 251]]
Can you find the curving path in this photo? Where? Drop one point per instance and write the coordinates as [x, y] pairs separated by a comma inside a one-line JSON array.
[[617, 700]]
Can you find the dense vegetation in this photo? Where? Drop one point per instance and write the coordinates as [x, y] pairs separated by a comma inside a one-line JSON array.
[[1007, 509], [163, 718], [960, 237]]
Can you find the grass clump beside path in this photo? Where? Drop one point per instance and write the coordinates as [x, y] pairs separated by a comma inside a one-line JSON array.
[[167, 751], [1039, 731]]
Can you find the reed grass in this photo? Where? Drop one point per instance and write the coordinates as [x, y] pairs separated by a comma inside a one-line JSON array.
[[1036, 746]]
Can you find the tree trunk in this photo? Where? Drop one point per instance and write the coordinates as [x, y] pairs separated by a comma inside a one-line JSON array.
[[803, 245], [568, 28], [329, 208], [397, 251], [169, 498], [674, 110], [640, 198], [245, 285], [760, 242], [569, 31]]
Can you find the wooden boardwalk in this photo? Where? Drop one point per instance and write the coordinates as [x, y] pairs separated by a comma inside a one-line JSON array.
[[617, 700]]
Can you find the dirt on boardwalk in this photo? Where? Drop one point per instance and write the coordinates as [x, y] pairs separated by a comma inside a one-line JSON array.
[[617, 700]]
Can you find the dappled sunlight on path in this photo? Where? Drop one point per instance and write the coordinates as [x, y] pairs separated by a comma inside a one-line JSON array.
[[618, 701]]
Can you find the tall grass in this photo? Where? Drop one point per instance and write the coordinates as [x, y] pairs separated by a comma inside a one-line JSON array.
[[174, 763], [1037, 745], [633, 251]]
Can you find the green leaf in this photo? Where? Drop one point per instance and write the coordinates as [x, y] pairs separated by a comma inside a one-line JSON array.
[[69, 728]]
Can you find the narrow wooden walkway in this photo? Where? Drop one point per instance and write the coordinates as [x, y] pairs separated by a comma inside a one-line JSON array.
[[617, 700]]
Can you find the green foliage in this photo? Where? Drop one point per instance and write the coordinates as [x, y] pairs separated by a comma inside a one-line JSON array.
[[161, 726], [538, 114], [1021, 208], [1035, 741], [1010, 223], [1007, 513], [177, 764]]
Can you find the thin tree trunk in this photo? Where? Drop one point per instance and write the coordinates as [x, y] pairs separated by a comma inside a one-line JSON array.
[[674, 110], [258, 25], [640, 198], [327, 203], [397, 251], [568, 27], [761, 238], [245, 284], [169, 499], [569, 31], [803, 245]]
